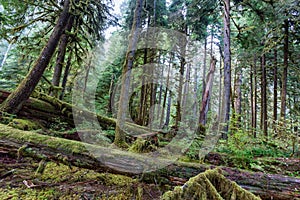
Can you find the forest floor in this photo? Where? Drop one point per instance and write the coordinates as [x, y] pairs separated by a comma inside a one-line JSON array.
[[59, 181], [19, 180]]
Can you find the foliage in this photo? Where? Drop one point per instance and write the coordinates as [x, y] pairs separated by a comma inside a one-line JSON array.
[[243, 148]]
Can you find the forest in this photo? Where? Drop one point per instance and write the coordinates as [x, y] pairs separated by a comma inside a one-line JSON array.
[[150, 99]]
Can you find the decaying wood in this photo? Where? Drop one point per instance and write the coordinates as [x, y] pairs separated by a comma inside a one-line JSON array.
[[75, 153]]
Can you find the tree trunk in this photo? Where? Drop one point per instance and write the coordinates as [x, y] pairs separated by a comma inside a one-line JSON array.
[[285, 69], [66, 74], [264, 110], [207, 92], [14, 102], [227, 71], [238, 97], [204, 67], [74, 153], [220, 86], [255, 96], [275, 82], [62, 48], [168, 114], [179, 91], [252, 98], [123, 103], [143, 99], [111, 87], [166, 92], [186, 89]]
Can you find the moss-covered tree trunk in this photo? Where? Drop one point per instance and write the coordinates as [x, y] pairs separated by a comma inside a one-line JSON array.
[[14, 102], [61, 56]]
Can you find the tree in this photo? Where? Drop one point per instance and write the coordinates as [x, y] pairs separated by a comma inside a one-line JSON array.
[[285, 69], [207, 92], [128, 64], [227, 70], [61, 55], [15, 101]]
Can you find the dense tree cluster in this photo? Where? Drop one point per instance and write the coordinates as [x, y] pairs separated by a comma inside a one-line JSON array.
[[239, 60]]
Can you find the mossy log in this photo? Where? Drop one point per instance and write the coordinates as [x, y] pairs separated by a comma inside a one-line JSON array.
[[75, 153], [210, 184], [284, 166], [44, 107]]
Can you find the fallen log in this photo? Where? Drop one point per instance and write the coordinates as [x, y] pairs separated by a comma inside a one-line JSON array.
[[210, 184], [284, 166], [50, 109], [113, 160]]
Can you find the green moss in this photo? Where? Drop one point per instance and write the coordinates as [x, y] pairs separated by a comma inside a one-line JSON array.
[[37, 194], [24, 124], [40, 105], [209, 185], [52, 142], [112, 179], [141, 146]]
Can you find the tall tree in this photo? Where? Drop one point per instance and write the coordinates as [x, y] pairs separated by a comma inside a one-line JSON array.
[[285, 69], [15, 101], [275, 85], [227, 70], [207, 92], [264, 108], [128, 64], [62, 48]]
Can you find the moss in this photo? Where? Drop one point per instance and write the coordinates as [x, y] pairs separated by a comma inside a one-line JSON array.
[[209, 185], [24, 124], [141, 146], [52, 142], [40, 105], [38, 194], [41, 167]]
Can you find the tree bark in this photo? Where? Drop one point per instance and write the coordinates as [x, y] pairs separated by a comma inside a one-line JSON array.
[[285, 69], [238, 97], [74, 153], [207, 92], [264, 110], [255, 96], [186, 89], [204, 67], [227, 70], [14, 102], [62, 48], [123, 102], [275, 82], [66, 74]]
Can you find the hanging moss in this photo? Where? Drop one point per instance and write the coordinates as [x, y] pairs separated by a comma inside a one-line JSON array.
[[210, 185]]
